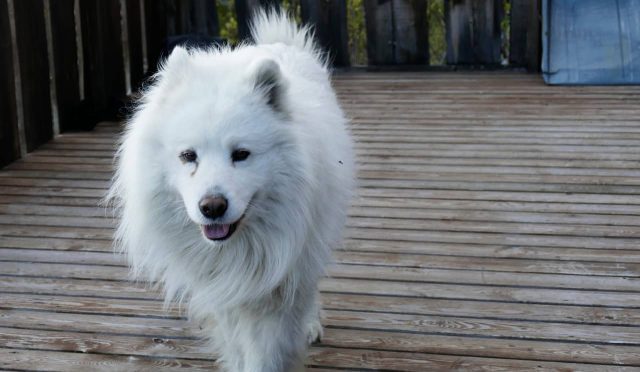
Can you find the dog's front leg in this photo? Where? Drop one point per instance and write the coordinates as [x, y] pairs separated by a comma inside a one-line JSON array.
[[259, 341], [276, 343]]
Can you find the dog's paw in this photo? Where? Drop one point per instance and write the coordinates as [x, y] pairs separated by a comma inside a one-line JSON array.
[[314, 331]]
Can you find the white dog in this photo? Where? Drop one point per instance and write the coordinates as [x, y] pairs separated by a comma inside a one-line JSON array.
[[233, 183]]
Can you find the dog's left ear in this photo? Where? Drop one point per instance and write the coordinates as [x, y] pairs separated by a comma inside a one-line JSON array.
[[268, 80]]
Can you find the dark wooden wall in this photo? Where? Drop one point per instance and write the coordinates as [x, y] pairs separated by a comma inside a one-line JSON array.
[[104, 76], [525, 38], [135, 41], [473, 31], [329, 21], [9, 143], [166, 18], [101, 51], [244, 11], [83, 41], [65, 56], [397, 32], [31, 41]]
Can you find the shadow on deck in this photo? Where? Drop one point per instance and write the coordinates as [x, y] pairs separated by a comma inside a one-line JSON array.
[[496, 227]]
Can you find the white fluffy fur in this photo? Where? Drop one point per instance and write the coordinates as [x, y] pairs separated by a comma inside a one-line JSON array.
[[256, 292]]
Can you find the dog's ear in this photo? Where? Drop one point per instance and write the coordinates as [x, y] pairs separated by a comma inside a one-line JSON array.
[[173, 68], [178, 56], [268, 80]]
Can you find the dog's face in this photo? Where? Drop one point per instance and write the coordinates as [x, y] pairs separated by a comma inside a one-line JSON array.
[[222, 141]]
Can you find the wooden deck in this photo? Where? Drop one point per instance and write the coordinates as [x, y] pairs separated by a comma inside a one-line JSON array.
[[496, 228]]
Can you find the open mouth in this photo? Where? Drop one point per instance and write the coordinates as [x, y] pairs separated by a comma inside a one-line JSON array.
[[218, 231]]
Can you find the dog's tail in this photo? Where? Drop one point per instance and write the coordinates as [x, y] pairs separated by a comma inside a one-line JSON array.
[[274, 26]]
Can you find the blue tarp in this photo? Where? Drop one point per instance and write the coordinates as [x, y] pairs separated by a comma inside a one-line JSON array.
[[591, 41]]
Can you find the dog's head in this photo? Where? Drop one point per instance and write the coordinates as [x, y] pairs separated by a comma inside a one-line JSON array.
[[233, 166], [221, 128]]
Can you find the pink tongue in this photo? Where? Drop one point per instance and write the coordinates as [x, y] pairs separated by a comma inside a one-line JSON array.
[[216, 231]]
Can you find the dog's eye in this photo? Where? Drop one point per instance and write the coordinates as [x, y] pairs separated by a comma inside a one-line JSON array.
[[188, 156], [240, 155]]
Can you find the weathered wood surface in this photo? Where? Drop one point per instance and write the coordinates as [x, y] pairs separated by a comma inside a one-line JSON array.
[[496, 227]]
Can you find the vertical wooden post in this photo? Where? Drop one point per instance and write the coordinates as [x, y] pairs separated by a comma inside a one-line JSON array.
[[34, 71], [473, 31], [65, 57], [204, 18], [534, 37], [9, 144], [192, 17], [519, 24], [397, 31], [329, 19], [182, 17], [156, 30], [134, 31], [103, 59], [524, 38], [244, 11], [379, 29], [412, 33], [165, 18], [175, 10]]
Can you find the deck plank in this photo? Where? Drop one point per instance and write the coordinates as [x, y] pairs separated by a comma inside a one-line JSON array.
[[496, 227]]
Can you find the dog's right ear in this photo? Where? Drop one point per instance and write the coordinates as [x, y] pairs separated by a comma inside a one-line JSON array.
[[268, 79]]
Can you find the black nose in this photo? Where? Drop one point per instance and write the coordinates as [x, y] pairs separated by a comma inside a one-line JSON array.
[[213, 207]]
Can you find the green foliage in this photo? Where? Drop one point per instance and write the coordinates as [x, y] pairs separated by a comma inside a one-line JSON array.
[[358, 35], [357, 32], [227, 18], [437, 37], [505, 28], [293, 8], [229, 21]]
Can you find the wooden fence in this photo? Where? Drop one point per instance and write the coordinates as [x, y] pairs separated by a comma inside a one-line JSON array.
[[100, 50]]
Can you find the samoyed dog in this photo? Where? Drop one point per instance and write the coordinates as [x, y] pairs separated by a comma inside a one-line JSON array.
[[233, 181]]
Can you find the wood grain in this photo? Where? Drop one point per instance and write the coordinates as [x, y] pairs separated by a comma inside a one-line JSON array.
[[495, 227]]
